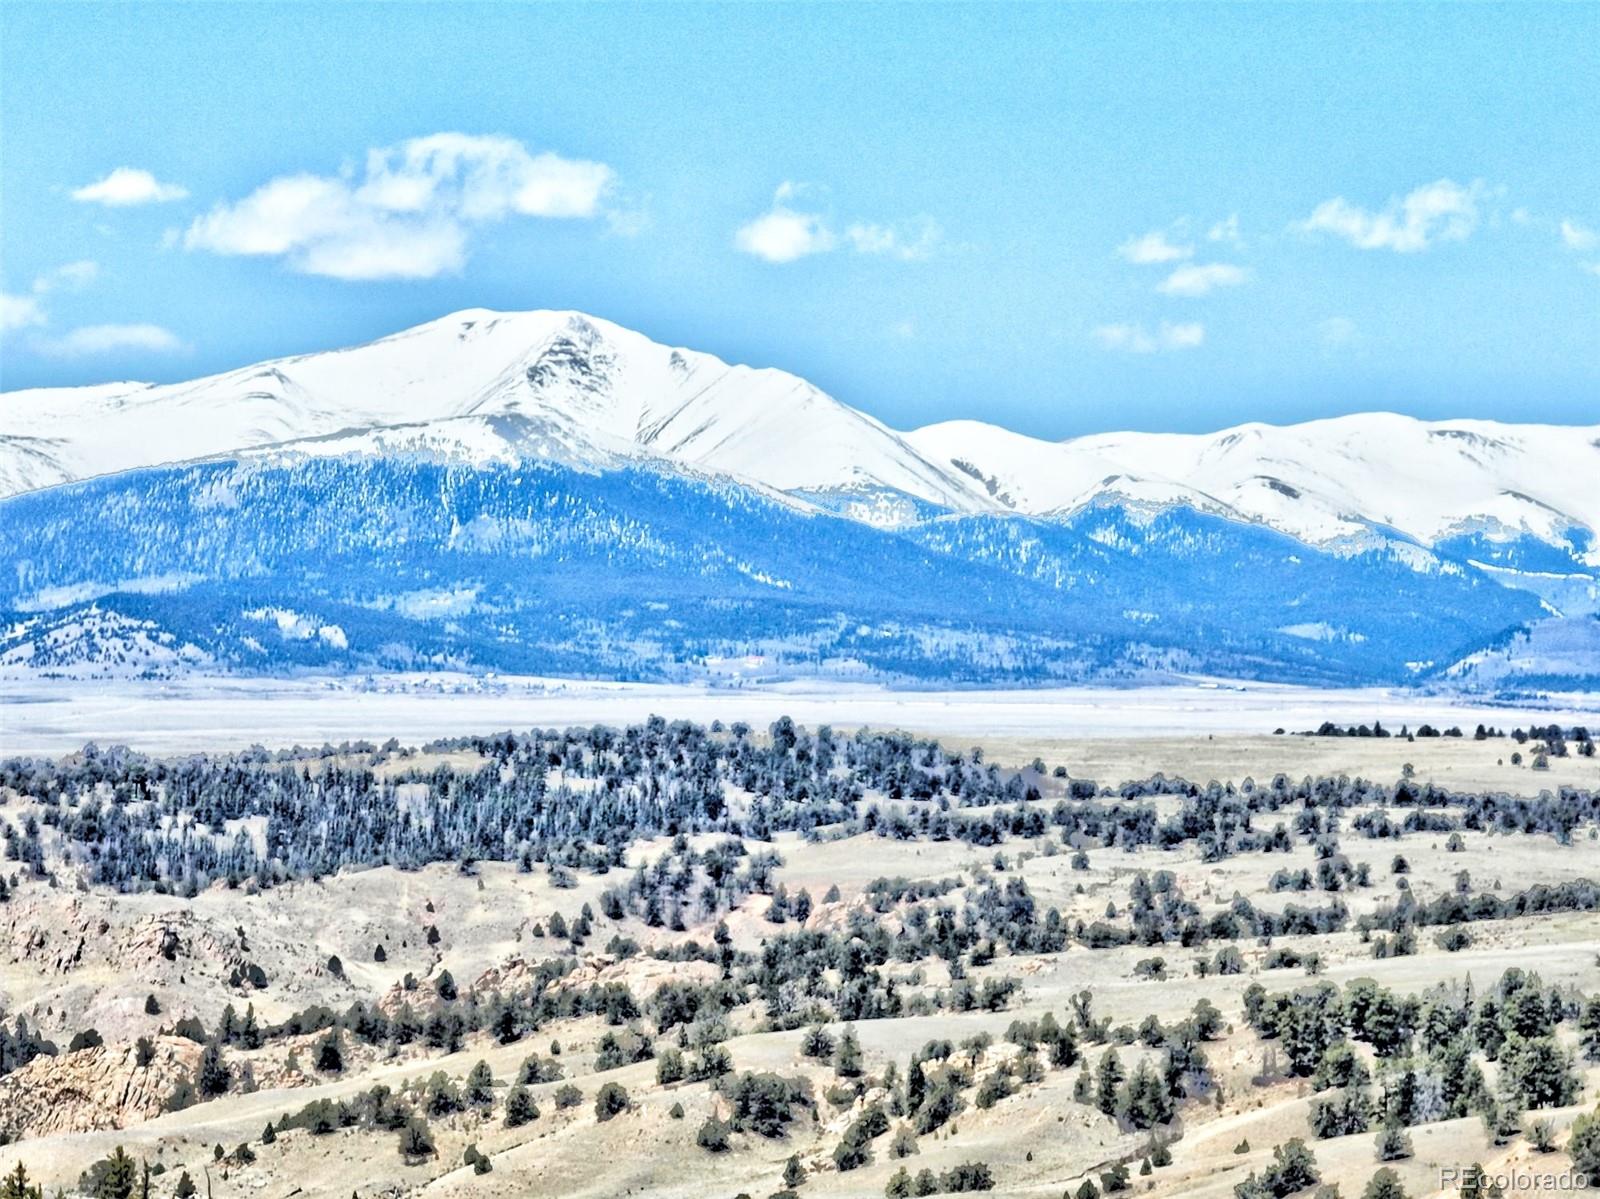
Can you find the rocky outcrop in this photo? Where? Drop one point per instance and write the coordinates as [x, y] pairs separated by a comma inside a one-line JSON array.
[[100, 1088], [58, 938]]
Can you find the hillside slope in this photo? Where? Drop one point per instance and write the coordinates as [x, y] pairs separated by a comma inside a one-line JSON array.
[[547, 491]]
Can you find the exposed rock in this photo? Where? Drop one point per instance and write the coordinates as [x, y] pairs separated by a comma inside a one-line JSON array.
[[93, 1089]]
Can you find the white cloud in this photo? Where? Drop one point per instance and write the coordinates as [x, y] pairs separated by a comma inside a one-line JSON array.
[[906, 242], [783, 235], [1153, 247], [629, 221], [409, 214], [787, 232], [1579, 237], [19, 312], [1196, 279], [127, 186], [25, 311], [72, 275], [103, 339], [481, 178], [1440, 211], [1227, 231], [1136, 339]]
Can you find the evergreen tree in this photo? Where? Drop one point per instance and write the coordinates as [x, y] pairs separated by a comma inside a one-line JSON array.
[[1392, 1145], [1385, 1184], [847, 1061], [415, 1139], [15, 1185], [113, 1177], [520, 1107], [1107, 1082], [611, 1100], [212, 1078], [330, 1053], [479, 1088]]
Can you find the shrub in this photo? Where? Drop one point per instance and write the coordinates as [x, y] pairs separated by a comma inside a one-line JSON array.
[[1583, 1145], [611, 1100], [970, 1176], [415, 1139], [764, 1103], [855, 1149], [1393, 1145], [669, 1066], [713, 1135], [568, 1096], [1385, 1184]]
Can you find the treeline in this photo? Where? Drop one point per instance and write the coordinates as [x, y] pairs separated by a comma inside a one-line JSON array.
[[577, 799], [1378, 1059]]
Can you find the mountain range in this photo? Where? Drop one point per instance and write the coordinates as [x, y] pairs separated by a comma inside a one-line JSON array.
[[549, 492]]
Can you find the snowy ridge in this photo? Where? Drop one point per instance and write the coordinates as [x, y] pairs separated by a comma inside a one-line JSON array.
[[486, 387], [546, 384], [1350, 481], [96, 644]]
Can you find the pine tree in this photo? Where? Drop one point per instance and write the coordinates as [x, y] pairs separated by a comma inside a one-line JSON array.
[[1393, 1145], [847, 1057], [916, 1085], [1108, 1081], [479, 1089], [213, 1074], [1385, 1184], [113, 1177], [415, 1139], [16, 1185], [330, 1053], [520, 1107]]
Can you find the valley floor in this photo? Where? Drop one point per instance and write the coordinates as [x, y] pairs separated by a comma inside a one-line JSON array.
[[44, 716]]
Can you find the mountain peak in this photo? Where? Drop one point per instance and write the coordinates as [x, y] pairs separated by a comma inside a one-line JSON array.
[[592, 391]]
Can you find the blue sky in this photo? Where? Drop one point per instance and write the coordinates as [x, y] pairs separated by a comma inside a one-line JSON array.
[[1061, 219]]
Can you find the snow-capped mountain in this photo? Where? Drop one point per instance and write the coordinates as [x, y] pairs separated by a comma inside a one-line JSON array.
[[1340, 482], [548, 491], [481, 386]]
